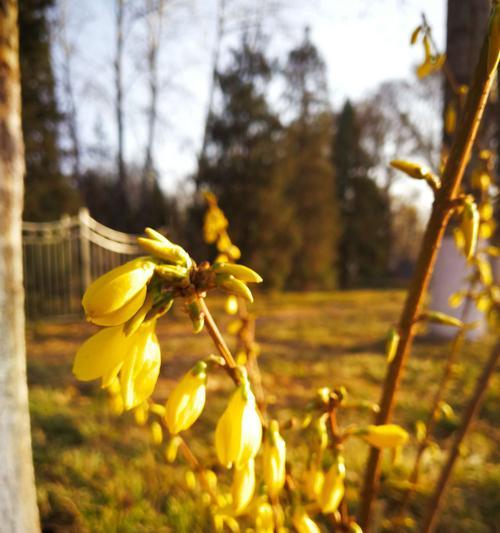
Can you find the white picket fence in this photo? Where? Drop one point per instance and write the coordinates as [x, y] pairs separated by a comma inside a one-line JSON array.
[[62, 257]]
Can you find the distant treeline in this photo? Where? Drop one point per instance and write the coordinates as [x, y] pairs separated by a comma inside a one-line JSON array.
[[297, 186]]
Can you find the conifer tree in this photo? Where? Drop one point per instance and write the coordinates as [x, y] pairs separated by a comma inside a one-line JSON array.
[[308, 169], [241, 165], [364, 208], [48, 194]]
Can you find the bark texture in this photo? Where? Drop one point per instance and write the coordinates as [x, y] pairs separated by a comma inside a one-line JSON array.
[[18, 510]]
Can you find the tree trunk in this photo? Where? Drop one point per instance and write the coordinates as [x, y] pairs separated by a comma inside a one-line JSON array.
[[466, 25], [18, 510]]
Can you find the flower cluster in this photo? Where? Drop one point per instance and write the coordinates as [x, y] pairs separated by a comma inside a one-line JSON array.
[[127, 302]]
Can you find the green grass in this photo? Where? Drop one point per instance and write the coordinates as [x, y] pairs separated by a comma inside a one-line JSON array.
[[100, 473]]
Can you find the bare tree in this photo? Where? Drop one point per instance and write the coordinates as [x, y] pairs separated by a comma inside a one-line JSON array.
[[154, 22], [465, 26], [67, 48], [119, 112], [219, 36], [18, 510]]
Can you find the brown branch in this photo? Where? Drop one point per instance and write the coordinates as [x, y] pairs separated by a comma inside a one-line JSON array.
[[467, 419], [440, 214], [216, 336], [432, 417]]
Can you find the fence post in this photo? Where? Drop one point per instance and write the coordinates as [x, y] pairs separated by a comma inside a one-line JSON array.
[[83, 219]]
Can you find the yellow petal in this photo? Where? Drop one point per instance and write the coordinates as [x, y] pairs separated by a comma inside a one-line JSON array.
[[186, 401], [238, 433], [141, 367], [274, 457], [123, 314], [117, 287], [333, 487], [384, 436], [303, 522], [243, 486], [101, 354]]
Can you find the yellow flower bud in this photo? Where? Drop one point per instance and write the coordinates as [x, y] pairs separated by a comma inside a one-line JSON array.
[[166, 250], [141, 413], [392, 344], [355, 528], [470, 227], [274, 456], [243, 486], [102, 355], [303, 523], [191, 481], [481, 180], [230, 284], [240, 272], [117, 295], [187, 400], [156, 432], [231, 305], [239, 430], [264, 521], [196, 314], [333, 487], [384, 436], [314, 479], [172, 448], [141, 367]]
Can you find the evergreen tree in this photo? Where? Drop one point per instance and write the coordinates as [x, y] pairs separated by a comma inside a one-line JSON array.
[[308, 169], [241, 165], [48, 194], [364, 208]]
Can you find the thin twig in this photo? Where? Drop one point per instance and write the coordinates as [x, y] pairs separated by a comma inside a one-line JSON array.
[[467, 419], [432, 417], [214, 332], [440, 214]]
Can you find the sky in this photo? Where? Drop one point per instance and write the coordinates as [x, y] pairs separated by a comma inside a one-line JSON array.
[[363, 43]]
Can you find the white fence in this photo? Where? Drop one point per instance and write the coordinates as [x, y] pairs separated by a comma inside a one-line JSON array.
[[61, 258]]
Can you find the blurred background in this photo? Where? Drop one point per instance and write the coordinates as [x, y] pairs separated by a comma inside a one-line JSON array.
[[288, 112]]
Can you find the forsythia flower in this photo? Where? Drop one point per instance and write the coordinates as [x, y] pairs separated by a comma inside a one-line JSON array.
[[243, 486], [239, 430], [137, 359], [274, 456], [303, 523], [115, 297], [264, 522], [333, 487], [314, 479], [470, 227], [187, 400], [384, 436]]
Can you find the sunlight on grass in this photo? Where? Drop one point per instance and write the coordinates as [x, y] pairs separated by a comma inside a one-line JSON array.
[[98, 472]]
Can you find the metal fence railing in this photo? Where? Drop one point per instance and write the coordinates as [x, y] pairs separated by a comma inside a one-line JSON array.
[[62, 257]]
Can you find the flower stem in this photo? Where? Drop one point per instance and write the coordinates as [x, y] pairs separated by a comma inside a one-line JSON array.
[[440, 214], [217, 338], [224, 350]]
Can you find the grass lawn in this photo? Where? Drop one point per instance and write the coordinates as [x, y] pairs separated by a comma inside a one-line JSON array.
[[97, 472]]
